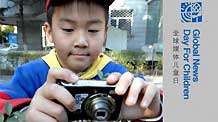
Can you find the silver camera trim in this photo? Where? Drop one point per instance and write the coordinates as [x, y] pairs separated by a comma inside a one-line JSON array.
[[88, 83]]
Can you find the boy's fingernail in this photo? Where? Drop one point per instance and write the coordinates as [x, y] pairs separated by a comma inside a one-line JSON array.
[[131, 100], [112, 78], [144, 104], [120, 88], [72, 109], [74, 78]]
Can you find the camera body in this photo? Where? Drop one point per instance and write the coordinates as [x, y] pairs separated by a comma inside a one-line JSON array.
[[95, 100]]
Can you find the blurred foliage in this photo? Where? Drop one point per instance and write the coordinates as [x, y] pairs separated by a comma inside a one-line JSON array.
[[11, 116], [7, 29], [134, 61], [3, 34], [27, 56], [11, 60]]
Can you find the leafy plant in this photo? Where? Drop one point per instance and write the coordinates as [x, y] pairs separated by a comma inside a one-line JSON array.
[[1, 117], [15, 59], [135, 61], [4, 31], [12, 117]]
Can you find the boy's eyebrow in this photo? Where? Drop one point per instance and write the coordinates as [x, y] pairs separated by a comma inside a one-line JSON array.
[[95, 21], [67, 20], [92, 21]]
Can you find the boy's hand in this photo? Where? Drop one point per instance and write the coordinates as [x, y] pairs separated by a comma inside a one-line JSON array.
[[142, 99], [43, 108]]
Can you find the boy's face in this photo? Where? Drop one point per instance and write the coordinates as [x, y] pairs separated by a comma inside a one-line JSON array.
[[78, 32]]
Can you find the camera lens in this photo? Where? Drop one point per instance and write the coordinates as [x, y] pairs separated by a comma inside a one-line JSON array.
[[101, 113], [99, 106]]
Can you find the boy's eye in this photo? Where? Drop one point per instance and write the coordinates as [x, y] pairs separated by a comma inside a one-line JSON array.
[[67, 30], [93, 31]]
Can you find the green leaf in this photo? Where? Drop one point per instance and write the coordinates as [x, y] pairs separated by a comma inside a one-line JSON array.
[[1, 117], [19, 115], [8, 108], [12, 120]]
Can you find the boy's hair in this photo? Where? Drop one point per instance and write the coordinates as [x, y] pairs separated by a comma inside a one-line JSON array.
[[51, 4]]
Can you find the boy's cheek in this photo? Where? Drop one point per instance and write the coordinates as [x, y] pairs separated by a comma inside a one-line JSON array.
[[94, 53]]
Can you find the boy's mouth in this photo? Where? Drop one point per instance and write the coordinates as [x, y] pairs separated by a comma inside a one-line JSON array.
[[79, 54]]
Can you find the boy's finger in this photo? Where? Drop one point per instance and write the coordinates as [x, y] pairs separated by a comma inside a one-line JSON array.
[[113, 78], [52, 109], [134, 91], [37, 116], [150, 92], [61, 73], [59, 93], [123, 83]]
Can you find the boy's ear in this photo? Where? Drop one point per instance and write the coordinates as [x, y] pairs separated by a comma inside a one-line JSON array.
[[47, 29]]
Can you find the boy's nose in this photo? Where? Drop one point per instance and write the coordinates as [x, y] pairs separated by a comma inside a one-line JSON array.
[[81, 40]]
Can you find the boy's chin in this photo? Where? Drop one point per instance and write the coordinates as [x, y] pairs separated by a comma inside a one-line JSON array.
[[78, 68]]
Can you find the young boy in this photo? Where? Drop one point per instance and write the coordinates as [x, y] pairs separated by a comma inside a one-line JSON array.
[[78, 30]]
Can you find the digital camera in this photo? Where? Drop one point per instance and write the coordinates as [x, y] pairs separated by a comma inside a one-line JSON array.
[[95, 100]]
